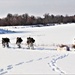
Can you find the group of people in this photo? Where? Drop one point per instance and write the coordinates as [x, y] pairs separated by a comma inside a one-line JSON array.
[[30, 42]]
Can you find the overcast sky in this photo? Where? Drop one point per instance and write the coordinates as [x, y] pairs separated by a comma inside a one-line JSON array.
[[37, 7]]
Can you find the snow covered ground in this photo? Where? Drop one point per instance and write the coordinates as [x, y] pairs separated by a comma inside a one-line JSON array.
[[44, 59]]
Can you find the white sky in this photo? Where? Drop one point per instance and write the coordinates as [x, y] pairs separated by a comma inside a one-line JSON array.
[[37, 7]]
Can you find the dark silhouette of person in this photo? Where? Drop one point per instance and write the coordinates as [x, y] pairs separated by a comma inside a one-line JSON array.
[[5, 42], [19, 41], [30, 42]]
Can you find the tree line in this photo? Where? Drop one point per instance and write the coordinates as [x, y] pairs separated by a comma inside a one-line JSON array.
[[25, 19]]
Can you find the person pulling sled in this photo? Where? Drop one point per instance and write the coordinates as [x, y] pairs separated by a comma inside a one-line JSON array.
[[30, 42], [19, 41], [5, 42]]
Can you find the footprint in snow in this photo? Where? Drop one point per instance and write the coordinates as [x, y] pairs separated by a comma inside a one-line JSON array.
[[29, 61], [19, 63], [9, 67], [46, 57], [39, 59], [3, 73]]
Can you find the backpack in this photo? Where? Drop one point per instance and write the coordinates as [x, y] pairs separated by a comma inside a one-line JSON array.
[[33, 40], [29, 40], [19, 40]]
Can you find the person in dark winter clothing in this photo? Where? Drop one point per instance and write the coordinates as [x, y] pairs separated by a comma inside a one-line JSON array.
[[30, 42], [5, 42], [19, 41]]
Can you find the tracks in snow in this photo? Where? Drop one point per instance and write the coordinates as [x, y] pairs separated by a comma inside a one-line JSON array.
[[52, 64]]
